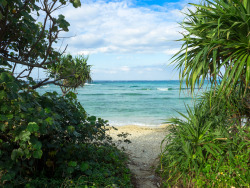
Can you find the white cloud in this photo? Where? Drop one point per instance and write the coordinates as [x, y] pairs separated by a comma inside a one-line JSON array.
[[172, 51], [125, 68], [117, 27], [156, 72]]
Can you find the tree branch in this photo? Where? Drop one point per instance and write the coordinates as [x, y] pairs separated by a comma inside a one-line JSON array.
[[24, 63]]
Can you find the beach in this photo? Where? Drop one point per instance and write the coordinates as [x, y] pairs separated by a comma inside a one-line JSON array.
[[143, 152]]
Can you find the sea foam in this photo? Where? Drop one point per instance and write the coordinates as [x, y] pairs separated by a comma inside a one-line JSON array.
[[162, 89]]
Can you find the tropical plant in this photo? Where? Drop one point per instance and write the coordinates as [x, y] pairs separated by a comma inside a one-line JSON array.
[[69, 72], [216, 46], [206, 148], [210, 147]]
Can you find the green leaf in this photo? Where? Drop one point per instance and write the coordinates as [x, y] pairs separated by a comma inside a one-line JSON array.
[[70, 170], [92, 118], [76, 3], [35, 143], [3, 3], [47, 110], [16, 153], [72, 163], [84, 166], [71, 128], [32, 127], [6, 177], [24, 136], [3, 127], [62, 22], [10, 116], [6, 77], [3, 94], [49, 120], [38, 154], [248, 70]]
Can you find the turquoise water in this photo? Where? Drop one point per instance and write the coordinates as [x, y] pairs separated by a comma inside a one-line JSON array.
[[145, 103]]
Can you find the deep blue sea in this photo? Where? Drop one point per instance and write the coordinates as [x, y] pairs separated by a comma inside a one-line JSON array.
[[144, 103]]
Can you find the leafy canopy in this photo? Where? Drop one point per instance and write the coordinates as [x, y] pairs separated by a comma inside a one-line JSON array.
[[26, 44]]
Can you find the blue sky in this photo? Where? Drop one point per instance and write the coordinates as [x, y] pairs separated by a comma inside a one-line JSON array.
[[127, 39]]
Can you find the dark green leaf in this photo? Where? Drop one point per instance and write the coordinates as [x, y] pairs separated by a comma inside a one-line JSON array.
[[32, 127], [84, 166], [38, 154], [72, 163]]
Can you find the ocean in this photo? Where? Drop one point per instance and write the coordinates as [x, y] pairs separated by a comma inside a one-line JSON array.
[[143, 103]]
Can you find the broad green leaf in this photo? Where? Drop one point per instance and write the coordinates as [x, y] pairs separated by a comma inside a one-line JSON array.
[[32, 127], [62, 22], [3, 94], [16, 153], [6, 77], [92, 118], [76, 3], [35, 143], [38, 154], [84, 166], [70, 170], [72, 163], [23, 136], [49, 120]]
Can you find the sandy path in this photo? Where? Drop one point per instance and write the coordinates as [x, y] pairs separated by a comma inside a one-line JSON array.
[[143, 152]]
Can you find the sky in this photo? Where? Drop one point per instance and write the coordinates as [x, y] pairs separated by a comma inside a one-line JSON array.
[[127, 39]]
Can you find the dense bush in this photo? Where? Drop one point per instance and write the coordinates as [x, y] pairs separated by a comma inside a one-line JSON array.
[[45, 140], [208, 147]]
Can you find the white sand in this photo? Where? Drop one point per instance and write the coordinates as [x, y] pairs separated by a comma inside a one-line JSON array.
[[143, 152]]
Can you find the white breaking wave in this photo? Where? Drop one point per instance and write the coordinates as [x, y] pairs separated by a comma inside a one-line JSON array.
[[119, 124], [162, 89]]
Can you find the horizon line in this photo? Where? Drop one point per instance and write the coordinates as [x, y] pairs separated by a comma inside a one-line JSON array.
[[134, 80]]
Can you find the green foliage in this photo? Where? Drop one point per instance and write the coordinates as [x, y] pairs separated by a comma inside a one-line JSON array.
[[216, 46], [208, 148], [50, 138], [28, 44], [72, 72], [211, 146], [22, 37]]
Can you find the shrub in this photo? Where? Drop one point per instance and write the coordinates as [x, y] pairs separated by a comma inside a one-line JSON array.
[[50, 138], [207, 148]]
